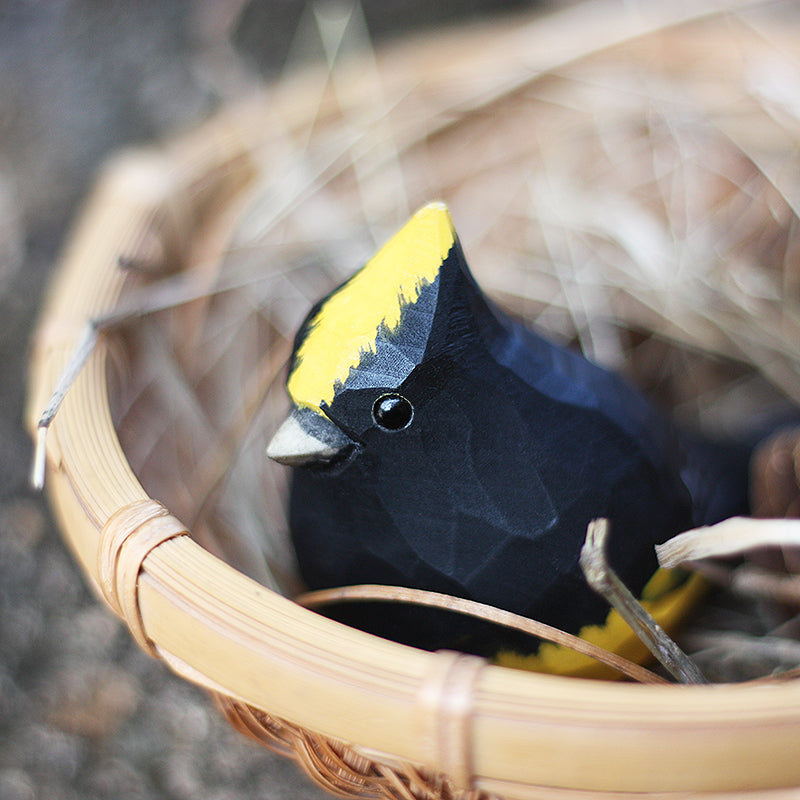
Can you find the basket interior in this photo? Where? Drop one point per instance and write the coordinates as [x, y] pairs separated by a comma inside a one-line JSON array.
[[632, 203]]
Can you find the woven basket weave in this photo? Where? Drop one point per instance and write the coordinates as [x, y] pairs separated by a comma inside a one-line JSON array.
[[623, 181]]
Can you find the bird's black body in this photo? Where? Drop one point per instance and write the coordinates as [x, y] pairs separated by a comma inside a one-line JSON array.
[[515, 445]]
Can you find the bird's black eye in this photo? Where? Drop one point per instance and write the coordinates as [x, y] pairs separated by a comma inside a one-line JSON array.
[[392, 412]]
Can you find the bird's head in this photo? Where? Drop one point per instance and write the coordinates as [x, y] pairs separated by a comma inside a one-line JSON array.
[[359, 346]]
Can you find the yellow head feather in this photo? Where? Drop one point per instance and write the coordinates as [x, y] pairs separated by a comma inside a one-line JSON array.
[[347, 324]]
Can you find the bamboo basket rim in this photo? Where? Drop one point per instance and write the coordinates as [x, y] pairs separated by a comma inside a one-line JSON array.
[[490, 729]]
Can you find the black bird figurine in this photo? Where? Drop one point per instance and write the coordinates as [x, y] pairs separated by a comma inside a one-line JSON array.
[[439, 444]]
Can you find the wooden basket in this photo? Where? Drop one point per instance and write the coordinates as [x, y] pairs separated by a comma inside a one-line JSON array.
[[536, 133]]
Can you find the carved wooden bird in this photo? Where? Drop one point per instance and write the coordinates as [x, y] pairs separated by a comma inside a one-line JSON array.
[[440, 444]]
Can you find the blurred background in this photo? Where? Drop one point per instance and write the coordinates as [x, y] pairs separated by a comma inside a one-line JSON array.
[[83, 713]]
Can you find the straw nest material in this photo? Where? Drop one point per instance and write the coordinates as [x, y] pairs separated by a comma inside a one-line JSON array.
[[626, 182]]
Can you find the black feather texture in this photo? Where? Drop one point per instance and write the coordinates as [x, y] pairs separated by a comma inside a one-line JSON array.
[[515, 445]]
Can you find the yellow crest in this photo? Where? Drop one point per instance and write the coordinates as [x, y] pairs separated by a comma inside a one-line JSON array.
[[347, 324]]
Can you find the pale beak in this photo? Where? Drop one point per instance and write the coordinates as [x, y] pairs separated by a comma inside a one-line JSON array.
[[307, 437]]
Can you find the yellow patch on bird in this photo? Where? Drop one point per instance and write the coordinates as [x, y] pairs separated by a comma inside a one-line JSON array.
[[347, 324], [668, 598]]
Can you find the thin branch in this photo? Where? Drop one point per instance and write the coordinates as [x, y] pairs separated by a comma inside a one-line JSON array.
[[168, 294], [605, 582]]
